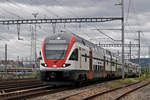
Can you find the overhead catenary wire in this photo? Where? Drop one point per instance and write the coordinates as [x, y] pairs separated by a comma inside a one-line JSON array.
[[68, 10], [16, 5], [20, 7], [58, 2], [73, 13]]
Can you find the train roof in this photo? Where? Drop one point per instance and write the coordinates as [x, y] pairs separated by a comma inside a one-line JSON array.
[[68, 36], [62, 36]]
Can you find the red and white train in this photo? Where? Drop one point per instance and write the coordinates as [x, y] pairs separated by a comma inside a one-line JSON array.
[[70, 58]]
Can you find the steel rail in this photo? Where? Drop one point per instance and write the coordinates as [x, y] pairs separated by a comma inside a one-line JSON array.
[[114, 89], [28, 93], [128, 92]]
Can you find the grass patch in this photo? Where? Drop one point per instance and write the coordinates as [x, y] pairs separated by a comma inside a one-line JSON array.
[[114, 85], [126, 81], [119, 83], [143, 77], [34, 75]]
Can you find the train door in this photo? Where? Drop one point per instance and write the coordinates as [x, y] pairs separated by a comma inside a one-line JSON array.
[[111, 65], [90, 64], [116, 74], [84, 56]]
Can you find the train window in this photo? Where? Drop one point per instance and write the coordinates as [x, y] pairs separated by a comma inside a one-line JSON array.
[[74, 55], [85, 57], [100, 68], [40, 53], [97, 67], [55, 51], [107, 61], [113, 63], [83, 42]]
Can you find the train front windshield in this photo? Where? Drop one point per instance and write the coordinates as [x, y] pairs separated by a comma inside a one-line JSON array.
[[55, 51]]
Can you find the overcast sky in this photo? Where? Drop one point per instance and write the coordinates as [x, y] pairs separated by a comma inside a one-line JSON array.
[[137, 14]]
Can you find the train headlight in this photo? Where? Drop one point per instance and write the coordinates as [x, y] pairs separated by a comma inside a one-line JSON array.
[[65, 65], [58, 38], [44, 64]]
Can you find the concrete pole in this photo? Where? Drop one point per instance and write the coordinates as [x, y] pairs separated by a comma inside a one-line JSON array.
[[139, 51], [6, 59], [122, 6], [130, 50], [54, 28], [35, 56]]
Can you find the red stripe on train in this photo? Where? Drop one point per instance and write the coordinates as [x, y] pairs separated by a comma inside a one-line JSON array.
[[43, 50]]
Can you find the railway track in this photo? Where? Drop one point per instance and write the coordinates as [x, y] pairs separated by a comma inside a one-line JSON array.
[[28, 93], [69, 92], [21, 89], [18, 84], [132, 90], [95, 92], [16, 80], [105, 93]]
